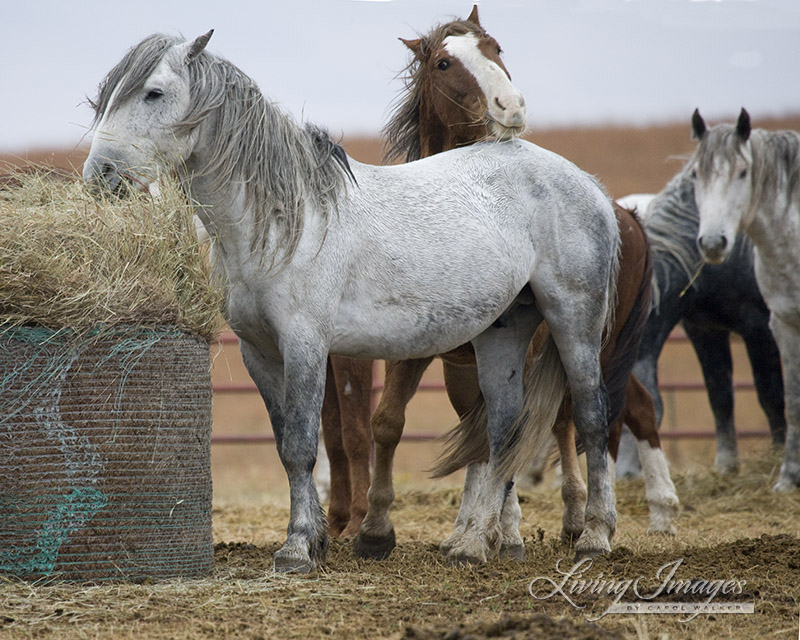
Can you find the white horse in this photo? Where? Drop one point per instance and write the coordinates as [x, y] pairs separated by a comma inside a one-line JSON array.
[[749, 181], [323, 254]]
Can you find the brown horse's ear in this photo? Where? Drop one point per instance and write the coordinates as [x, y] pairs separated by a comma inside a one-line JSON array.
[[698, 125], [473, 17], [743, 125], [414, 45]]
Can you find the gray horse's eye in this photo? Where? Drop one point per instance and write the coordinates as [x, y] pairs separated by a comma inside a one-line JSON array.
[[743, 174], [153, 94]]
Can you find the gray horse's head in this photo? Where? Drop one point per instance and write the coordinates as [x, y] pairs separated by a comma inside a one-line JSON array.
[[722, 167], [141, 114]]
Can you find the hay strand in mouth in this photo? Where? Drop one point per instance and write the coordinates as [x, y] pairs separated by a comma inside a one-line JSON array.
[[69, 259]]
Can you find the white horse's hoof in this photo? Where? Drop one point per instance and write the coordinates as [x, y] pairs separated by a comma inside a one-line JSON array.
[[590, 545], [784, 485], [297, 556], [514, 552]]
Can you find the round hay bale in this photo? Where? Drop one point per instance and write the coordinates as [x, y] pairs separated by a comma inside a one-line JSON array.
[[105, 454]]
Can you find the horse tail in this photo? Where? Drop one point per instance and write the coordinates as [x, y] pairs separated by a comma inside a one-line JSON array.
[[619, 364], [546, 388]]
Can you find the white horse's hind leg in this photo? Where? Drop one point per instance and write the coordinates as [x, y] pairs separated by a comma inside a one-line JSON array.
[[512, 545], [660, 491], [500, 354], [473, 481], [322, 472], [788, 339], [576, 326]]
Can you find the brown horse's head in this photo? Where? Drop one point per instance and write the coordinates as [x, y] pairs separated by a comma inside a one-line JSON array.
[[458, 91]]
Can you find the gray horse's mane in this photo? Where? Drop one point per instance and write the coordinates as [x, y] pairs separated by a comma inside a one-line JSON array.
[[281, 165], [776, 160], [671, 227], [401, 132]]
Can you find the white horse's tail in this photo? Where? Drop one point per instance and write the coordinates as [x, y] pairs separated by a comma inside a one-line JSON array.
[[546, 388]]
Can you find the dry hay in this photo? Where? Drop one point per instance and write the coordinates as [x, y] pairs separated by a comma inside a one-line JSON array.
[[415, 593], [68, 259], [106, 312]]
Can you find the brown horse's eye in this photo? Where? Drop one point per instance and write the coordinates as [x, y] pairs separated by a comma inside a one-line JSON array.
[[443, 65]]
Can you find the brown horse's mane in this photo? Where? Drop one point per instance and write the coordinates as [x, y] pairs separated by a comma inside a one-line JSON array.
[[401, 132]]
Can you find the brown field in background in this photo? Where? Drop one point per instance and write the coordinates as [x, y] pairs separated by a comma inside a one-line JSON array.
[[625, 159]]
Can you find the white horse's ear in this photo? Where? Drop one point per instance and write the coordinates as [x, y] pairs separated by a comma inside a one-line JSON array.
[[197, 46], [473, 17], [698, 125], [743, 125]]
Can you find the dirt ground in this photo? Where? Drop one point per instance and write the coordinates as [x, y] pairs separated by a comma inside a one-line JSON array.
[[732, 531]]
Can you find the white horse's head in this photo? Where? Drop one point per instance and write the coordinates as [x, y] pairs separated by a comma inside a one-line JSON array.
[[722, 168], [141, 114]]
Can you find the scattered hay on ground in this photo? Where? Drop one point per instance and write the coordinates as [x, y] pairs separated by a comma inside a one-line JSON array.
[[415, 593]]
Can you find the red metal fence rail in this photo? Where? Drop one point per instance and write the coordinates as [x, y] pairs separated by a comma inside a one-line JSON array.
[[377, 386]]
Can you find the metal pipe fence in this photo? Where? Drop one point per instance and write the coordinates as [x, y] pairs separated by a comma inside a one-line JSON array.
[[668, 387]]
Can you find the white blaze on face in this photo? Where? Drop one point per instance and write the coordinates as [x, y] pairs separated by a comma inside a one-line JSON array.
[[505, 102]]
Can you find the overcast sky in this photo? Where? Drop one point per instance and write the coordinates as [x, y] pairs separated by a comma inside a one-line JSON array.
[[334, 62]]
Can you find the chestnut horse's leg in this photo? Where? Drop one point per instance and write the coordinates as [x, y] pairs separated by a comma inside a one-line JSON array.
[[376, 537], [573, 488], [639, 415], [339, 506], [353, 378]]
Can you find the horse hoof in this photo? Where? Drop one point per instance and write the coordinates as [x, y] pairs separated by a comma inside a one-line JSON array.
[[291, 564], [461, 559], [583, 554], [514, 552], [569, 538], [784, 485], [375, 547]]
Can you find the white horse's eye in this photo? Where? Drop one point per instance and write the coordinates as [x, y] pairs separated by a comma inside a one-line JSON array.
[[153, 94], [742, 174]]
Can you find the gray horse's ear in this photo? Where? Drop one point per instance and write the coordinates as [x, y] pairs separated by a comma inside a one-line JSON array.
[[743, 125], [196, 48], [473, 17], [698, 125], [414, 45]]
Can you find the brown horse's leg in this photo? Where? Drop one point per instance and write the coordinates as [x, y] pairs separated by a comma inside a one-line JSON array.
[[640, 417], [339, 506], [573, 489], [376, 538], [354, 390]]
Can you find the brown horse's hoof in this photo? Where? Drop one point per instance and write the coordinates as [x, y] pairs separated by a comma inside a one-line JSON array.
[[376, 547]]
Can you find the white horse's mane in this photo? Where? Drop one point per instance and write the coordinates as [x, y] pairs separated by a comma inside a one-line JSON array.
[[281, 165]]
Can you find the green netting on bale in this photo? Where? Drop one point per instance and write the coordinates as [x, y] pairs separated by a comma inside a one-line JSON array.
[[105, 453]]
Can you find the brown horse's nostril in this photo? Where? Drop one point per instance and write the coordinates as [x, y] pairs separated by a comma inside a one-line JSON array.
[[499, 104]]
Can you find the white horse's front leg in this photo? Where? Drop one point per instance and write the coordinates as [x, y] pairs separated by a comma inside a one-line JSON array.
[[788, 340], [295, 420]]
